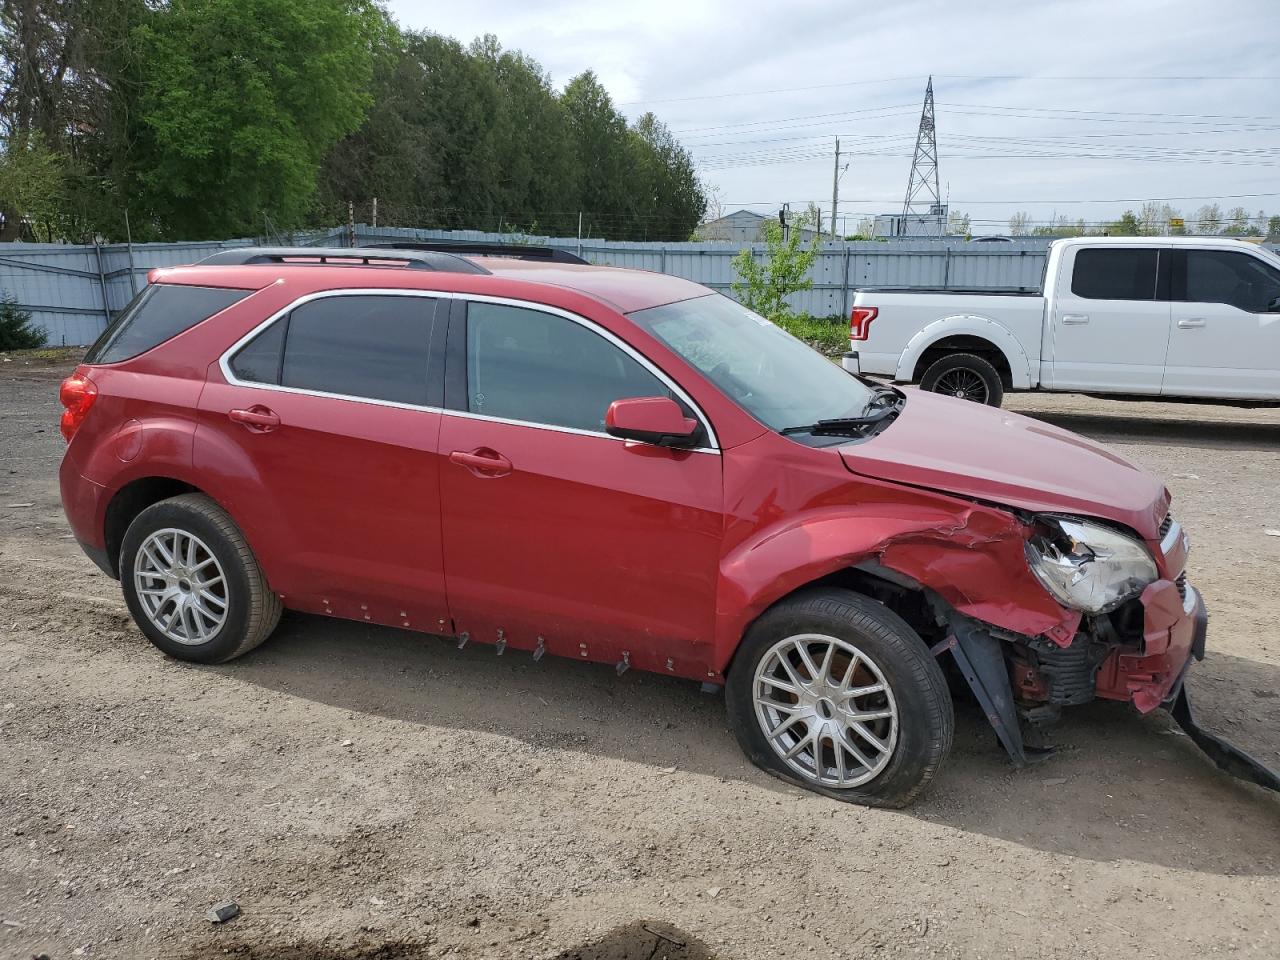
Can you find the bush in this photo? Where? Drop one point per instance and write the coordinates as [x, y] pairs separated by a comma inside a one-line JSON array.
[[16, 331], [827, 335], [764, 287]]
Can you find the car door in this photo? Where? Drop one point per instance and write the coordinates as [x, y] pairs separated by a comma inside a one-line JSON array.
[[321, 426], [1225, 337], [558, 536], [1109, 323]]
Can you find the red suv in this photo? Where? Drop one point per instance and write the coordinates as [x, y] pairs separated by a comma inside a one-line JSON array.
[[616, 466]]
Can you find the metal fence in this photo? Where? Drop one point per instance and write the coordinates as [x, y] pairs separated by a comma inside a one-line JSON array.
[[72, 291]]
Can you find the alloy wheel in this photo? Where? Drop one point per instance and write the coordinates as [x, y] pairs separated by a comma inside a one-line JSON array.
[[826, 710], [964, 384], [181, 586]]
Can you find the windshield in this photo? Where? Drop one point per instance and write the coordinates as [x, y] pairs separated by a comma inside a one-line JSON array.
[[772, 375]]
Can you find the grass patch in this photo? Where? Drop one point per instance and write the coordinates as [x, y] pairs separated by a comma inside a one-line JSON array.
[[827, 335], [45, 354]]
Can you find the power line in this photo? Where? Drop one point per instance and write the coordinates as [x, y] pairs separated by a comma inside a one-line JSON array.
[[948, 76], [971, 203]]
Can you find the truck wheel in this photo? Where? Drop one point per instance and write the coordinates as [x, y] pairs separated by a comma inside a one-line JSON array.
[[964, 375], [835, 692], [192, 584]]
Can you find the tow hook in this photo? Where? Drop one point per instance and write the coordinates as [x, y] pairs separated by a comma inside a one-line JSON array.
[[1231, 759]]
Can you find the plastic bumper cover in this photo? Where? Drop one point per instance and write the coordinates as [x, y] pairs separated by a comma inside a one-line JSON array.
[[1174, 631]]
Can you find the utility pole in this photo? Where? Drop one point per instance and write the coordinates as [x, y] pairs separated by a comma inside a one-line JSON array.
[[835, 190], [375, 213], [351, 223]]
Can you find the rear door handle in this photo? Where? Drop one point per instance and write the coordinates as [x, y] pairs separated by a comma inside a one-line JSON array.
[[1075, 318], [257, 418], [482, 462], [1190, 322]]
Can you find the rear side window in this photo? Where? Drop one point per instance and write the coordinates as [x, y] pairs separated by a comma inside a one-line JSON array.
[[1115, 274], [159, 312], [365, 347]]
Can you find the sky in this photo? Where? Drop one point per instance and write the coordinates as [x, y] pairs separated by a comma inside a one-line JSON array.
[[1078, 108]]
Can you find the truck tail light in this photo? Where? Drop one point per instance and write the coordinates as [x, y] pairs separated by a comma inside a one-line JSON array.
[[860, 322], [77, 394]]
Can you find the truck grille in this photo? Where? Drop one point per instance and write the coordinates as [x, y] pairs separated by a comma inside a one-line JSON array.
[[1181, 584], [1164, 527]]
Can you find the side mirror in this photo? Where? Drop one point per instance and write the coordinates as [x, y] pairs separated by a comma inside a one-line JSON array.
[[657, 420]]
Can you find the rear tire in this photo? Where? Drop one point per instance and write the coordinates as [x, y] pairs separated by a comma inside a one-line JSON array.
[[892, 735], [192, 583], [964, 375]]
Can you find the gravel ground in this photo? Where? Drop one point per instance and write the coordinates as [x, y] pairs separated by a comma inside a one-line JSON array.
[[368, 793]]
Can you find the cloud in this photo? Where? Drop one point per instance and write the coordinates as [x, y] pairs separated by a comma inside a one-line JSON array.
[[1005, 138]]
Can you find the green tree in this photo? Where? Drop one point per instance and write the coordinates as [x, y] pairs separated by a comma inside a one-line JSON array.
[[31, 185], [1127, 226], [1237, 222], [667, 199], [1273, 227], [16, 330], [765, 286], [238, 103], [64, 87], [1209, 220], [600, 137], [1020, 224]]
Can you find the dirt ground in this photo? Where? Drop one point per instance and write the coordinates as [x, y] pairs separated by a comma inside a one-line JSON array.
[[368, 793]]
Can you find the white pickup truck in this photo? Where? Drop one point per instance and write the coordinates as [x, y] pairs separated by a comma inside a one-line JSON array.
[[1185, 317]]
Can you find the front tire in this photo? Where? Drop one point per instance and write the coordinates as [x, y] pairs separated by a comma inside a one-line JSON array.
[[835, 692], [964, 375], [192, 584]]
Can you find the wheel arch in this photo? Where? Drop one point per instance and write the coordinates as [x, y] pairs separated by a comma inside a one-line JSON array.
[[130, 500], [970, 557], [966, 333]]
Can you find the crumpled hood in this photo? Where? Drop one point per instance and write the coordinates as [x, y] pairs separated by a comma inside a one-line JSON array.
[[960, 447]]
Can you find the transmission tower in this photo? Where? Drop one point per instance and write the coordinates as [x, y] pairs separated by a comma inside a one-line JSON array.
[[922, 187]]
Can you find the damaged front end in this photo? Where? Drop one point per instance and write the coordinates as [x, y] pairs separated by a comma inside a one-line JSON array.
[[1141, 627]]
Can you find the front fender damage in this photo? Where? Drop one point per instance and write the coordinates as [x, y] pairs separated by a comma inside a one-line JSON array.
[[972, 557]]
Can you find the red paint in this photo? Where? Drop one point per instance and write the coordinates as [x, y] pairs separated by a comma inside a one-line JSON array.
[[597, 546], [648, 417], [1147, 676]]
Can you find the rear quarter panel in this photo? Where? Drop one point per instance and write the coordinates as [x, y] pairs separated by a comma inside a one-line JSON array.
[[909, 323]]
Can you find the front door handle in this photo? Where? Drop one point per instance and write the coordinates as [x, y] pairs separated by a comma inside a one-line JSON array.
[[482, 462], [258, 419], [1075, 318], [1190, 322]]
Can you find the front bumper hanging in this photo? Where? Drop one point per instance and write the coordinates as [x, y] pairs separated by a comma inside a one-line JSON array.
[[1231, 759]]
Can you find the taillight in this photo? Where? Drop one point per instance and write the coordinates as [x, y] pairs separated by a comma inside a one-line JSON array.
[[77, 394], [860, 322]]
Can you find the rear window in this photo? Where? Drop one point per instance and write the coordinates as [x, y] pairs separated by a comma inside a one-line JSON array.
[[1115, 274], [159, 312]]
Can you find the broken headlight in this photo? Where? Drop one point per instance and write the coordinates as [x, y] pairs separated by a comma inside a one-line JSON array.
[[1088, 566]]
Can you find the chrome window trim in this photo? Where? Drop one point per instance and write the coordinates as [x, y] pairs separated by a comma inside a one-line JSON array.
[[224, 361]]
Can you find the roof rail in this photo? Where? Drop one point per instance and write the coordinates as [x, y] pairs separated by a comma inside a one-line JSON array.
[[517, 251], [344, 256]]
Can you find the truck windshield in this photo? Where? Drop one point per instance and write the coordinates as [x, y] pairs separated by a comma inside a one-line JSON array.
[[769, 373]]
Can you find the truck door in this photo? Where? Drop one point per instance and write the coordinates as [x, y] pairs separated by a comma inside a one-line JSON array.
[[1109, 325], [1225, 336]]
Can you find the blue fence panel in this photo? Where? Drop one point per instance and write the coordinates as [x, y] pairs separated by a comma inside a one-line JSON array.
[[71, 290]]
